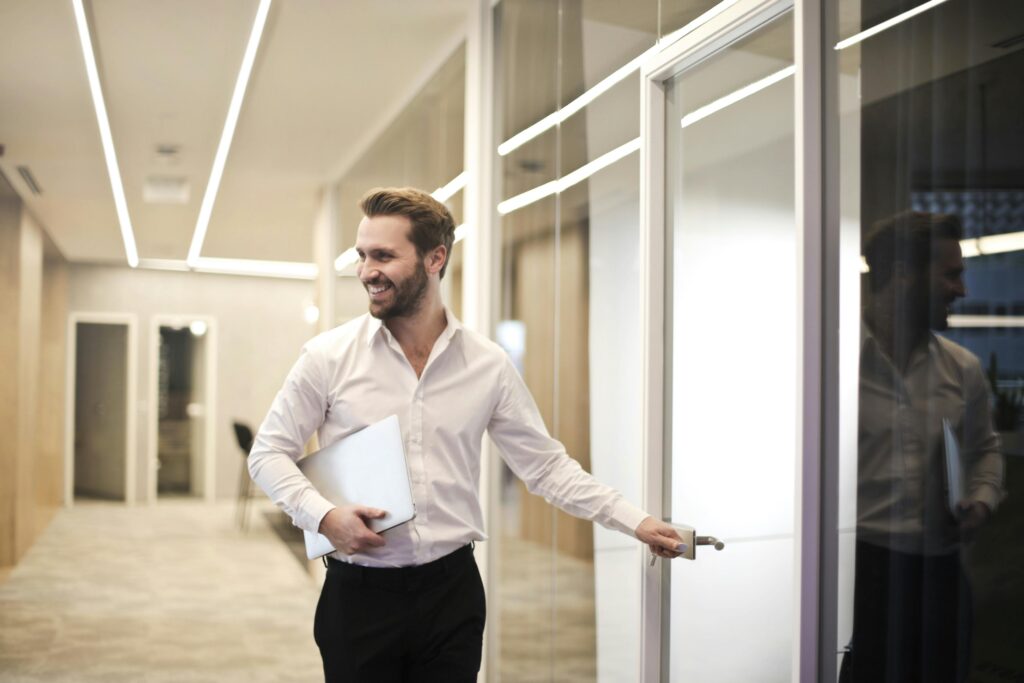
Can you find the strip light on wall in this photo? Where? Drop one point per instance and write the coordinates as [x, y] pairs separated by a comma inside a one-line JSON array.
[[889, 23], [736, 96], [219, 161], [92, 72], [564, 183], [226, 266], [607, 83]]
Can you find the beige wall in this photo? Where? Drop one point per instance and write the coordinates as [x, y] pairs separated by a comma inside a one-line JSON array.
[[31, 396], [259, 332]]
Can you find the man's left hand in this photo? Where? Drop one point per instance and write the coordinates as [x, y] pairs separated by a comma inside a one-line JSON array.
[[973, 514], [661, 537]]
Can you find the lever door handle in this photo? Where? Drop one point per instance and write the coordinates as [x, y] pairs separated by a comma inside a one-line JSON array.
[[710, 540]]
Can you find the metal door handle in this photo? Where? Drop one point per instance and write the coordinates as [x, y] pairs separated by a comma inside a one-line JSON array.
[[710, 540]]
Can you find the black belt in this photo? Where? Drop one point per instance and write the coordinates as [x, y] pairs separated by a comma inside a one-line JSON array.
[[402, 578]]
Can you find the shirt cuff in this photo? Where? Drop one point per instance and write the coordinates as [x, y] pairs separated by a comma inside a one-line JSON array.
[[315, 509], [987, 494], [626, 517]]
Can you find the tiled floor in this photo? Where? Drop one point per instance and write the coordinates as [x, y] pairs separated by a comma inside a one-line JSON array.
[[172, 592], [175, 593]]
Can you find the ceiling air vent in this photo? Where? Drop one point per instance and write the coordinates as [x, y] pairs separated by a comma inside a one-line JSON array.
[[30, 180], [165, 190]]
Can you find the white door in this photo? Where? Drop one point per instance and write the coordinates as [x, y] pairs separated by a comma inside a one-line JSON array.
[[721, 105]]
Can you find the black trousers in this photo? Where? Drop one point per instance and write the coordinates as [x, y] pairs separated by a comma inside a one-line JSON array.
[[911, 619], [412, 624]]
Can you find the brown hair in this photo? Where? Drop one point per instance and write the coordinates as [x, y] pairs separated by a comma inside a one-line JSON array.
[[909, 238], [432, 222]]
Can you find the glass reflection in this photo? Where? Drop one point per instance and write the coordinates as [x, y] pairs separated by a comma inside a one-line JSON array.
[[929, 168]]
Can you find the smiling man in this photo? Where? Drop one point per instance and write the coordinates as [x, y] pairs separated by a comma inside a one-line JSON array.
[[408, 604]]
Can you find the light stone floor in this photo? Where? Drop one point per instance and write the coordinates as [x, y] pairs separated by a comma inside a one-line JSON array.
[[175, 593], [151, 594]]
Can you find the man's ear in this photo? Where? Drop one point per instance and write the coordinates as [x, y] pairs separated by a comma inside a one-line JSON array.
[[436, 259]]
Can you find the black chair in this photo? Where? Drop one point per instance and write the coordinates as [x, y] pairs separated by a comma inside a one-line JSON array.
[[243, 433]]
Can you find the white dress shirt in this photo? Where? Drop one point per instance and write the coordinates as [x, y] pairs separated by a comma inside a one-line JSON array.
[[901, 481], [356, 374]]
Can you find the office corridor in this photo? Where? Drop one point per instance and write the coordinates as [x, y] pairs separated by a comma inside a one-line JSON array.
[[172, 592]]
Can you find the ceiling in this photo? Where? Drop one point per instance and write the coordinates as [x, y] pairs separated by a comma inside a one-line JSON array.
[[328, 76]]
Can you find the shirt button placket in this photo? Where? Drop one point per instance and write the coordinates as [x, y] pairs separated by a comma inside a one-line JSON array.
[[420, 475]]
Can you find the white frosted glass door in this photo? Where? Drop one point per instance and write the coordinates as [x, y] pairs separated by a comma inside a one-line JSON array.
[[731, 358]]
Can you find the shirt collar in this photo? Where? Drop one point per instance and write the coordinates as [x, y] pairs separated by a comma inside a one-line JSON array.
[[375, 327]]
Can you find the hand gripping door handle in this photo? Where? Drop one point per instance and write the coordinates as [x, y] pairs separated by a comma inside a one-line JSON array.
[[690, 541]]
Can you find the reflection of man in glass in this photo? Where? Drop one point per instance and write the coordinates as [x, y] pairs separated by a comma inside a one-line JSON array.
[[912, 608]]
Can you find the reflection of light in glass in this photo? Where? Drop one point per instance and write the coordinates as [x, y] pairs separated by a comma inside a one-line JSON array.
[[570, 179], [198, 328], [312, 314], [511, 336], [606, 84], [221, 158], [734, 97], [986, 321], [446, 192], [121, 204], [889, 23], [981, 246]]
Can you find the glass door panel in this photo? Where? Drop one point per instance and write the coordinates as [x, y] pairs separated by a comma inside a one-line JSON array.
[[732, 325], [931, 219]]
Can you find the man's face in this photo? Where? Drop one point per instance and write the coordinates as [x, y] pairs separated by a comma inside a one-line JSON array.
[[389, 267], [946, 282]]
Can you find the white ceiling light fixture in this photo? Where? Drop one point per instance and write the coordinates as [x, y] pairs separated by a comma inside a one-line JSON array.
[[736, 96], [219, 161], [197, 328], [889, 23], [562, 184], [447, 191], [986, 321], [107, 139], [311, 314], [607, 83], [228, 266]]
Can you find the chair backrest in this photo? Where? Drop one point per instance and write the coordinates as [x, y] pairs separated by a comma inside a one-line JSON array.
[[244, 435]]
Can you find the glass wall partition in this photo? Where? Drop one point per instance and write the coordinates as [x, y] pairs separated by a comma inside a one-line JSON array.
[[930, 172], [731, 354], [569, 592]]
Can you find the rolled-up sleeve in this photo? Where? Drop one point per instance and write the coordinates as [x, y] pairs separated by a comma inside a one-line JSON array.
[[296, 413], [983, 457], [543, 464]]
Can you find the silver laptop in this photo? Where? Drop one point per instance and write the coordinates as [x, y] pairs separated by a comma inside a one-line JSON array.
[[365, 468]]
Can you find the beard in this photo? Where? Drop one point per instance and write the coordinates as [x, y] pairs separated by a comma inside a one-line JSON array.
[[407, 295]]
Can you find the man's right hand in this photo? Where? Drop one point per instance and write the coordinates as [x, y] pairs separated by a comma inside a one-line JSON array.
[[345, 527]]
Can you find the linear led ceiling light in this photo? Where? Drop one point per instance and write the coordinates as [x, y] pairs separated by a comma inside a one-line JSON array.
[[570, 179], [92, 72], [986, 321], [447, 191], [607, 83], [889, 23], [992, 244], [232, 266], [736, 96], [206, 209]]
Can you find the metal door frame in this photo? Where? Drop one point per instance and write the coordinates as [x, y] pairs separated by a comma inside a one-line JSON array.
[[818, 303]]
